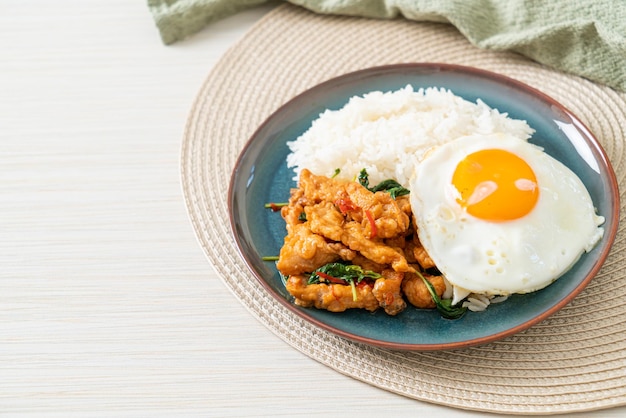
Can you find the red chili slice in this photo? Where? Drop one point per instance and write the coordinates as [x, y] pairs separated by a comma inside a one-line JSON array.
[[370, 218], [331, 278], [345, 205], [365, 283]]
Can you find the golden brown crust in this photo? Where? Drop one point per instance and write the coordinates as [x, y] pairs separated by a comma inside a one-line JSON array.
[[330, 220], [416, 291], [388, 292], [332, 297]]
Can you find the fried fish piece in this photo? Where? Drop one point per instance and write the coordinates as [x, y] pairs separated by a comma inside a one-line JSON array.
[[332, 297], [317, 189], [354, 237], [383, 209], [326, 220], [304, 251], [335, 221], [416, 291], [419, 252], [388, 292], [420, 255]]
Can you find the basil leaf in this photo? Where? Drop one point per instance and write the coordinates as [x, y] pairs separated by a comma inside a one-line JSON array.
[[391, 186], [444, 306], [346, 272], [364, 179]]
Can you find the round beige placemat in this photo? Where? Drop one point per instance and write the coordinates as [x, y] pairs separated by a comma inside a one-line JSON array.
[[573, 361]]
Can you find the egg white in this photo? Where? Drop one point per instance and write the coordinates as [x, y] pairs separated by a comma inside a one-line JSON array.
[[502, 258]]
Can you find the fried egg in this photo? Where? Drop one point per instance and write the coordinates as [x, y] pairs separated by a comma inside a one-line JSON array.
[[500, 216]]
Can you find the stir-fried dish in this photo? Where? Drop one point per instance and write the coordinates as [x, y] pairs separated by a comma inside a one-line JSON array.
[[349, 245]]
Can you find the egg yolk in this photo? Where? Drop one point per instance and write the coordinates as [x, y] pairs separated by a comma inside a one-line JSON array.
[[495, 185]]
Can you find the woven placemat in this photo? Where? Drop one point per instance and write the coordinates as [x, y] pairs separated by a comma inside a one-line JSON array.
[[573, 361]]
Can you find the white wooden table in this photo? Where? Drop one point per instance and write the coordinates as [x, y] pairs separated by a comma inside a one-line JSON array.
[[108, 306]]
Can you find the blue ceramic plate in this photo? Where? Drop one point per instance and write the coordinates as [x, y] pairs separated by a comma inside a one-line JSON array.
[[261, 175]]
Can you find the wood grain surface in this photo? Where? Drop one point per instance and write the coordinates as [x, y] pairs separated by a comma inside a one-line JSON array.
[[108, 307]]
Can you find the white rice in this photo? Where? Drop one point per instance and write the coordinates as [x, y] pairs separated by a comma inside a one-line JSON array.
[[388, 133], [474, 302]]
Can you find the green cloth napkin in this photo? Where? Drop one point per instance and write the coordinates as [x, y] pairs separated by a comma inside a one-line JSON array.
[[582, 37]]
